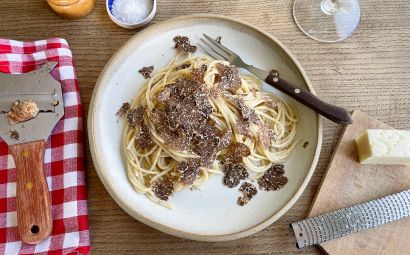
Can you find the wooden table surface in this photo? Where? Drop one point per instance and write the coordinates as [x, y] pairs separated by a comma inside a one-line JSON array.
[[368, 71]]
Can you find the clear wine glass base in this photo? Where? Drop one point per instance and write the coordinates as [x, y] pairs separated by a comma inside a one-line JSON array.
[[327, 20]]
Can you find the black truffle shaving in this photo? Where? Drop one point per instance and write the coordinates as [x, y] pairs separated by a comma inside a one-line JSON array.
[[236, 153], [163, 189], [143, 138], [188, 171], [248, 190], [183, 121], [233, 174], [135, 116], [273, 178], [146, 71], [124, 109], [183, 45], [230, 78]]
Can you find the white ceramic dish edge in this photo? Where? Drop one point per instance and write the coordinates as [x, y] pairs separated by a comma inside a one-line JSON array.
[[176, 232]]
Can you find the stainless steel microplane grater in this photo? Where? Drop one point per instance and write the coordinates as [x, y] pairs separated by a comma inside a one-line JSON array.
[[28, 147], [353, 219]]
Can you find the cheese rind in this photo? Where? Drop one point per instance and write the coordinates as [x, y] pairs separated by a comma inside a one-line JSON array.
[[377, 146]]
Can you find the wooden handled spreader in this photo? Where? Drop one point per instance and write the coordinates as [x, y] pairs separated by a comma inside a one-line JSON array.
[[27, 141]]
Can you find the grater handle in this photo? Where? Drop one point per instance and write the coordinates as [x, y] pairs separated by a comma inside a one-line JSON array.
[[33, 200]]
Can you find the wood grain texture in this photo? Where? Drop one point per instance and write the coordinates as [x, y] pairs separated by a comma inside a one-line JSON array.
[[32, 197], [347, 183], [368, 71]]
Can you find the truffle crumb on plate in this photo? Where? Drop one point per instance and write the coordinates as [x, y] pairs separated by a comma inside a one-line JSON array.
[[183, 45], [244, 200], [248, 190], [273, 178], [146, 71]]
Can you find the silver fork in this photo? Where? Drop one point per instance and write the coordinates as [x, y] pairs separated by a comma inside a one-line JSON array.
[[332, 112]]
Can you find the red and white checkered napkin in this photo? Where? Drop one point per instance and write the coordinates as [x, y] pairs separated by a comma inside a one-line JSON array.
[[64, 166]]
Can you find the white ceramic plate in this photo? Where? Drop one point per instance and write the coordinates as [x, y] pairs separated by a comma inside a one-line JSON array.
[[210, 214]]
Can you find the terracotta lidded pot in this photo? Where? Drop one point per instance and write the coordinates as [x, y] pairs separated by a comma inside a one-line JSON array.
[[72, 9]]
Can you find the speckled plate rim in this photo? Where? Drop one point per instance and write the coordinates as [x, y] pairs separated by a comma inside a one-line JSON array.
[[167, 229]]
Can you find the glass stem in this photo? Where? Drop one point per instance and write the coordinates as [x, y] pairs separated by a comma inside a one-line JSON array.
[[330, 6]]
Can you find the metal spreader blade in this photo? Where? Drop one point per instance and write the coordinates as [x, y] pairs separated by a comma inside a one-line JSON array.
[[37, 86]]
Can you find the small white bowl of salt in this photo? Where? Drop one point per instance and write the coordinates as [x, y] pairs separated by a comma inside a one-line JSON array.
[[131, 13]]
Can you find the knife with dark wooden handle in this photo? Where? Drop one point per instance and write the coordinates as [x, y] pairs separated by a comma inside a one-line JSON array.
[[332, 112]]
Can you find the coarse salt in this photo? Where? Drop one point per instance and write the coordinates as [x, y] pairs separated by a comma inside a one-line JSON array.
[[131, 11]]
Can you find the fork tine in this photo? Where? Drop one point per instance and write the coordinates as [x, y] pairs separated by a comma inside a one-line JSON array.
[[216, 49], [212, 53], [219, 45]]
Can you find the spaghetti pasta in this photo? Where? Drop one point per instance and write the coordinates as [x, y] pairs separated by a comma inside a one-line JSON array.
[[196, 115]]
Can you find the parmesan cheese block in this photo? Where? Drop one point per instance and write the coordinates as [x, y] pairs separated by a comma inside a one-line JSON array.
[[377, 146]]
